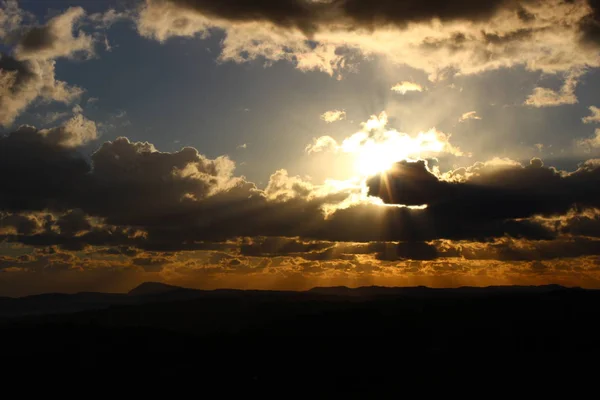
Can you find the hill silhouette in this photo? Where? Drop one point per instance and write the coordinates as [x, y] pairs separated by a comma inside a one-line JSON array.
[[152, 288], [358, 335]]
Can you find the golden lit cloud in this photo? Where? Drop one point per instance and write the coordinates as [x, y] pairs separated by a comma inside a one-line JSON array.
[[405, 87], [591, 142], [595, 117], [545, 97], [469, 115], [56, 38], [333, 115], [323, 143]]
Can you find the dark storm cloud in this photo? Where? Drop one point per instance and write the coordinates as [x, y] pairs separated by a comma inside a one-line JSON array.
[[365, 223], [154, 184], [38, 173], [73, 222], [577, 222], [492, 192], [21, 224], [309, 15]]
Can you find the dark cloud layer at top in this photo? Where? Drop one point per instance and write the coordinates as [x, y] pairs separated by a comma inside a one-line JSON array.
[[590, 26], [308, 15]]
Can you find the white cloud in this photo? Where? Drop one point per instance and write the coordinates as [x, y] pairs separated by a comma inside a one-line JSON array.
[[595, 117], [333, 115], [545, 97], [405, 87], [469, 115]]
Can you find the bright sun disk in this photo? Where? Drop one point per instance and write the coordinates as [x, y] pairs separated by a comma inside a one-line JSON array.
[[375, 158]]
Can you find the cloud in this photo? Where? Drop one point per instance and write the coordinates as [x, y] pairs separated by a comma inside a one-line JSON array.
[[181, 200], [56, 39], [282, 187], [469, 115], [545, 97], [584, 223], [73, 223], [28, 73], [11, 19], [469, 37], [128, 172], [594, 118], [106, 19], [151, 263], [591, 142], [489, 192], [286, 263], [73, 133], [323, 143], [405, 87], [539, 146], [19, 224], [22, 82], [333, 115], [310, 16], [54, 173]]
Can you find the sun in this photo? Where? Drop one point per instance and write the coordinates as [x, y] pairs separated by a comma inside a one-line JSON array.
[[375, 158]]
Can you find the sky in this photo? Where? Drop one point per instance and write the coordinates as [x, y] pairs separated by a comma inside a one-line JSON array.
[[297, 143]]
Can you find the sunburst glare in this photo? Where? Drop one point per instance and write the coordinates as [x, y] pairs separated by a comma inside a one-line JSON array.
[[376, 147]]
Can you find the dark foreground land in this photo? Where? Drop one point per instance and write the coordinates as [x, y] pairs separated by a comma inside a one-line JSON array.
[[366, 339]]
